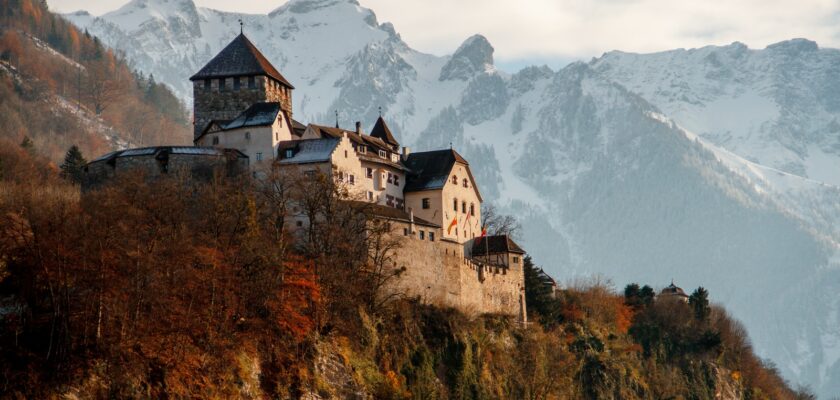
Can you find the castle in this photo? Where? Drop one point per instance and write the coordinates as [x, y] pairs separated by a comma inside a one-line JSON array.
[[244, 120]]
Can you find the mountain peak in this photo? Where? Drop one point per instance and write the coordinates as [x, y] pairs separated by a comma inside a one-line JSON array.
[[307, 6], [473, 56], [794, 46]]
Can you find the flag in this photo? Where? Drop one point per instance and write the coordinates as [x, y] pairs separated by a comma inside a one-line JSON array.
[[483, 234], [452, 224]]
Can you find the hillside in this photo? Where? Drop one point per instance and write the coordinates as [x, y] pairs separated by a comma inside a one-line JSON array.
[[61, 87], [711, 166], [179, 290]]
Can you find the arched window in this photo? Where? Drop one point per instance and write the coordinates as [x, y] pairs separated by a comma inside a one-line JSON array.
[[455, 179]]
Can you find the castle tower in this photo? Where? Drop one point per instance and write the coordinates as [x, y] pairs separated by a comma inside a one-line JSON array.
[[236, 78]]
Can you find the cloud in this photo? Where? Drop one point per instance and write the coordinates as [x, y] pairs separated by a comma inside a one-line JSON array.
[[568, 29]]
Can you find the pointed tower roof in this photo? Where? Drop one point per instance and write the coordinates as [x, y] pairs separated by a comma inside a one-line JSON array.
[[240, 58], [381, 131]]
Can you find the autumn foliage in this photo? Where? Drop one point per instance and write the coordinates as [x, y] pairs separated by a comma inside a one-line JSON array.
[[61, 87]]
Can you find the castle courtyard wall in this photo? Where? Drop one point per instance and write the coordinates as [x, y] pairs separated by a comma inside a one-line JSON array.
[[439, 274]]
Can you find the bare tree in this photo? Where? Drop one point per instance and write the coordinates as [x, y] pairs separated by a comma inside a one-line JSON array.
[[499, 224]]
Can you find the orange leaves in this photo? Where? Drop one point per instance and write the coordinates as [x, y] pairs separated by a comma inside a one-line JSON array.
[[297, 298], [623, 316]]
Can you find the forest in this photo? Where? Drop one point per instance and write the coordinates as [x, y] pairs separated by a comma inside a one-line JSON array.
[[172, 288], [61, 87]]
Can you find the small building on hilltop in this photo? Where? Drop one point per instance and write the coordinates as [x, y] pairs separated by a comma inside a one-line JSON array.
[[430, 200], [673, 292]]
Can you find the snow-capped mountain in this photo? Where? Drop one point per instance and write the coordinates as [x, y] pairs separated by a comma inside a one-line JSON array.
[[716, 167]]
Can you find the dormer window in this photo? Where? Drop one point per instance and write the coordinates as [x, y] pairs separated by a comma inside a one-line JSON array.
[[289, 153], [362, 150], [455, 181], [383, 154]]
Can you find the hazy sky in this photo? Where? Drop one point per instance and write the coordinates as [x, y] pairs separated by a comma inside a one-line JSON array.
[[555, 31]]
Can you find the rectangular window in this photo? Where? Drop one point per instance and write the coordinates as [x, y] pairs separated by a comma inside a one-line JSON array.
[[222, 85], [390, 178], [289, 153], [383, 154], [237, 83], [516, 260], [370, 196], [207, 84], [340, 176], [400, 203], [215, 140], [389, 200], [422, 235], [345, 153], [431, 236], [455, 205], [247, 135], [405, 231], [362, 149], [252, 82], [396, 180], [369, 172], [472, 210], [464, 207], [427, 203], [352, 179], [309, 174], [259, 156], [466, 185]]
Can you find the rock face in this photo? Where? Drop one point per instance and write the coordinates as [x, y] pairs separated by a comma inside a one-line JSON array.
[[473, 56], [714, 166]]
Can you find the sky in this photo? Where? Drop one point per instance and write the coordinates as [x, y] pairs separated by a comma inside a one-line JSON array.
[[527, 32]]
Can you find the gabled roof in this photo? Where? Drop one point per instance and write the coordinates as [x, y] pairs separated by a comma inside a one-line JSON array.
[[495, 245], [259, 114], [240, 58], [298, 128], [308, 151], [381, 131], [360, 140], [430, 169]]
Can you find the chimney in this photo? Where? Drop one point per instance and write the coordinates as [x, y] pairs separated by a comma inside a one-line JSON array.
[[406, 152], [411, 219], [359, 127]]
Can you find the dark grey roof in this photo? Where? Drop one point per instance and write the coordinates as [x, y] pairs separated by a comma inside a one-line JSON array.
[[495, 245], [240, 58], [673, 290], [381, 131], [159, 151], [360, 140], [430, 169], [259, 114], [308, 151]]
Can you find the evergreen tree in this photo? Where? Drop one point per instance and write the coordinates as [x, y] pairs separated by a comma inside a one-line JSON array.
[[73, 167], [699, 301], [27, 144], [539, 296], [638, 297]]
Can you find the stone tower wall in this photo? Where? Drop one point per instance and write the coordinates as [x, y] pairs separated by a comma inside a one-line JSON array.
[[215, 104]]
